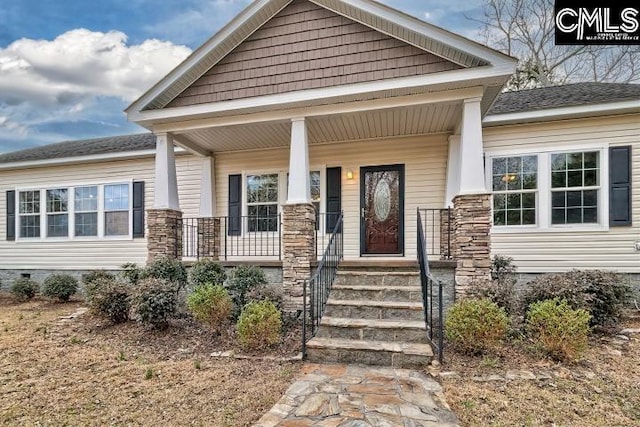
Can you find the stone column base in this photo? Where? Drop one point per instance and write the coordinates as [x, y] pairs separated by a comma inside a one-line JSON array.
[[446, 234], [209, 238], [298, 251], [472, 241], [165, 233]]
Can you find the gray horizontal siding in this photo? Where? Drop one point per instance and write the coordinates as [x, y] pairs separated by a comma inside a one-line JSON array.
[[305, 47]]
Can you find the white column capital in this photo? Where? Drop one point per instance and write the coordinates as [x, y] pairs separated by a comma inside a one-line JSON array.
[[298, 119], [471, 100], [299, 180], [166, 184]]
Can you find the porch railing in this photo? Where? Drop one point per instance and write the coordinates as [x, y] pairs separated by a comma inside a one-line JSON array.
[[431, 289], [225, 237], [438, 225], [316, 291]]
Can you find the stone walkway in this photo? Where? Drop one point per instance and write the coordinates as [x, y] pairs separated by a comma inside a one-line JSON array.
[[360, 396]]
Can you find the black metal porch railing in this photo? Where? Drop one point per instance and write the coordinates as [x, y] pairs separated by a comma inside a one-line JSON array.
[[225, 237], [316, 291], [438, 225], [433, 315]]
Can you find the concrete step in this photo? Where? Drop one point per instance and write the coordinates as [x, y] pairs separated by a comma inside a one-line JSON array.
[[369, 329], [366, 309], [376, 292], [380, 278], [396, 354]]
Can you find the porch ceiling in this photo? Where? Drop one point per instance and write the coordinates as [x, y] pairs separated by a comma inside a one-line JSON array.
[[413, 120]]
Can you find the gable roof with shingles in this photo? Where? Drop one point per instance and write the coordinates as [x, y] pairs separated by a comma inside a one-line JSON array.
[[569, 95], [84, 147]]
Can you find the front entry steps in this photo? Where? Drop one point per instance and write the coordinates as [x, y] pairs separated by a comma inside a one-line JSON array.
[[374, 318]]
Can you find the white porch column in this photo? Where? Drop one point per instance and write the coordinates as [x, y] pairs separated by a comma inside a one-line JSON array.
[[453, 170], [471, 160], [299, 181], [208, 188], [166, 185]]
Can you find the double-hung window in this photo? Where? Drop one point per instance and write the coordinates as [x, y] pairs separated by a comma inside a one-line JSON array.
[[86, 211], [116, 210], [515, 183], [29, 213], [57, 212], [575, 187], [262, 202]]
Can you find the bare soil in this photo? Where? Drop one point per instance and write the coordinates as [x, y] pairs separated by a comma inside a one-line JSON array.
[[85, 372], [601, 389]]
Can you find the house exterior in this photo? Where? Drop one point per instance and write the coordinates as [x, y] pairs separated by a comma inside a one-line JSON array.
[[298, 112]]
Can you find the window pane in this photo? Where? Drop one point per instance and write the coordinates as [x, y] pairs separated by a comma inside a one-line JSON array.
[[558, 179], [591, 159], [58, 225], [86, 199], [590, 198], [499, 218], [315, 185], [263, 218], [499, 201], [529, 182], [499, 166], [529, 164], [29, 202], [116, 223], [513, 217], [528, 200], [86, 224], [574, 161], [513, 201], [558, 162], [57, 200], [590, 215], [557, 216], [574, 198], [116, 197], [574, 179], [262, 188], [528, 217], [512, 175], [558, 199], [30, 226], [574, 216], [590, 178]]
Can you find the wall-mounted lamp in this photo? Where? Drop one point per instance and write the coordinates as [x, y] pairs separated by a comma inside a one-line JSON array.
[[349, 174]]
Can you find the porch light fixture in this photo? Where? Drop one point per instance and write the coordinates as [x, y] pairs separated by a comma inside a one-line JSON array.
[[349, 174]]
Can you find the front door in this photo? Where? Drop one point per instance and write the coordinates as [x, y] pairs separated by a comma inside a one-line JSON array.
[[382, 210]]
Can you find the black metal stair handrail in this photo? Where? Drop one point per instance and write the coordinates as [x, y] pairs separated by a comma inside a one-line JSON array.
[[316, 289], [435, 325]]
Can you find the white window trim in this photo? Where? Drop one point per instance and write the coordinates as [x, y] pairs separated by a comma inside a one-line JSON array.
[[71, 212], [543, 199]]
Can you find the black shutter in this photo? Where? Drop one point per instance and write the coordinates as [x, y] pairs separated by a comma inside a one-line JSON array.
[[334, 197], [11, 215], [235, 205], [620, 185], [138, 209]]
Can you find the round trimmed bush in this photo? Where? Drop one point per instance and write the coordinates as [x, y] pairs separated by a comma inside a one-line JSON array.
[[167, 269], [60, 286], [241, 280], [273, 293], [559, 330], [110, 299], [154, 302], [476, 326], [206, 271], [211, 304], [24, 288], [259, 325], [131, 273]]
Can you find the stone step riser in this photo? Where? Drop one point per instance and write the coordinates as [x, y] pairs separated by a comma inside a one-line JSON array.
[[377, 295], [385, 358], [375, 334], [369, 312], [377, 280]]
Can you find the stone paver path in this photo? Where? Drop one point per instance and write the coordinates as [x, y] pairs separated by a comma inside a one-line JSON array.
[[360, 396]]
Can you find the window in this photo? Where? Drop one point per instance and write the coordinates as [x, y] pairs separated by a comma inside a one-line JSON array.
[[514, 183], [86, 211], [29, 212], [116, 210], [574, 187], [57, 212], [262, 202]]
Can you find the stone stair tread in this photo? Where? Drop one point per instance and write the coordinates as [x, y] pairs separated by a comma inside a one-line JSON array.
[[377, 273], [347, 322], [371, 303], [407, 348], [409, 288]]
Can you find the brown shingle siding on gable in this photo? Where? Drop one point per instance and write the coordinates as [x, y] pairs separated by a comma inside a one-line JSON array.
[[306, 47]]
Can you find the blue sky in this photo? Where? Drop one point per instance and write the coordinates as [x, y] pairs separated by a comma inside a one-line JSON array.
[[69, 68]]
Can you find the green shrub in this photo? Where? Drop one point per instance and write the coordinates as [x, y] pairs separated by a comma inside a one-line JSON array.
[[206, 271], [89, 280], [168, 269], [603, 294], [501, 289], [241, 280], [502, 268], [154, 302], [24, 288], [131, 272], [559, 330], [476, 325], [211, 304], [271, 293], [110, 299], [60, 286], [259, 325]]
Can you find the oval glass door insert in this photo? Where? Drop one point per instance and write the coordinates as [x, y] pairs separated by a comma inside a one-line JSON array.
[[382, 200]]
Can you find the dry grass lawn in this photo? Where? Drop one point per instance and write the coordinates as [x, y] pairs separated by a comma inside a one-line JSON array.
[[602, 389], [54, 374]]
